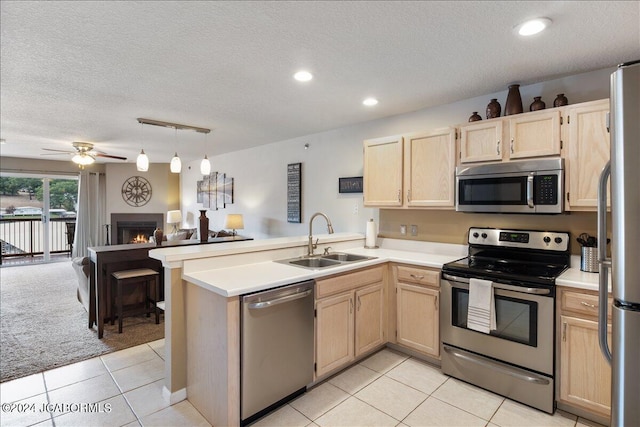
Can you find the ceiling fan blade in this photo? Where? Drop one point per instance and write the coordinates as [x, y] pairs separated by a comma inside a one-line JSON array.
[[59, 151], [108, 156], [56, 154]]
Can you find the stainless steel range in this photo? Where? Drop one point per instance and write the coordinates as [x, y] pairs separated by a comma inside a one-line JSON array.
[[513, 357]]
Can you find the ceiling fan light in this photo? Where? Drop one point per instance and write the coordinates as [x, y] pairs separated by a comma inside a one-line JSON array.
[[83, 159], [142, 162], [205, 166], [176, 164]]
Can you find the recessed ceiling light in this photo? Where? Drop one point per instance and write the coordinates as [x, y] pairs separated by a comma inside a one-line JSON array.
[[533, 26], [303, 76], [370, 102]]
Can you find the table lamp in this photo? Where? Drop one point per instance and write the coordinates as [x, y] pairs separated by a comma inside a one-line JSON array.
[[174, 217], [234, 222]]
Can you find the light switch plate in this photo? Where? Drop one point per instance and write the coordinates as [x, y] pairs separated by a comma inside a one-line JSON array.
[[403, 229], [414, 230]]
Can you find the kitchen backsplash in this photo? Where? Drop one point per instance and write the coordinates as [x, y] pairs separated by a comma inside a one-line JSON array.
[[452, 227]]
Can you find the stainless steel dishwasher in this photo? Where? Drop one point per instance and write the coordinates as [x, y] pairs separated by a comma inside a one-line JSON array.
[[276, 347]]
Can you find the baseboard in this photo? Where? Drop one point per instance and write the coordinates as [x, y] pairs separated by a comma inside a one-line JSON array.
[[175, 397]]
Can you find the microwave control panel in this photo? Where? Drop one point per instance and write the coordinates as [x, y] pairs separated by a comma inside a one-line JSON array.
[[545, 189]]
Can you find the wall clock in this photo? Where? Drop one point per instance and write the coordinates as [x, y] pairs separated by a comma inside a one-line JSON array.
[[136, 191]]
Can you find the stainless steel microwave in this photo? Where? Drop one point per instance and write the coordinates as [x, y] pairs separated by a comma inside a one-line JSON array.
[[530, 186]]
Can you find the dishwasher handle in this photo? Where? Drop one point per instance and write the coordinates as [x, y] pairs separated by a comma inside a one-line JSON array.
[[280, 300]]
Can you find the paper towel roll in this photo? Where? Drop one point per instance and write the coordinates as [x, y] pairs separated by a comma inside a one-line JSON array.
[[370, 235]]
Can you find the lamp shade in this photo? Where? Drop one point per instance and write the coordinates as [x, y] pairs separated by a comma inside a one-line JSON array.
[[142, 162], [205, 166], [234, 222], [176, 164], [83, 159], [174, 217]]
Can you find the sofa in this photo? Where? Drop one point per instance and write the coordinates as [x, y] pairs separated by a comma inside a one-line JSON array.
[[81, 267]]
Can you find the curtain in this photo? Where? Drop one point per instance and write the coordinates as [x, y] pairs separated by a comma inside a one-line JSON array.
[[91, 218]]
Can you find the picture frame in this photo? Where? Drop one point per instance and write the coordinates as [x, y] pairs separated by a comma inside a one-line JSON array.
[[350, 185], [294, 192]]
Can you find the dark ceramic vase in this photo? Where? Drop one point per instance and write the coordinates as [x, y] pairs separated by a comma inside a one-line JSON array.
[[537, 104], [475, 117], [560, 100], [514, 101], [493, 109], [158, 235], [204, 225]]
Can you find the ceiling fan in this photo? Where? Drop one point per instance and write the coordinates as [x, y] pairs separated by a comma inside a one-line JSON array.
[[84, 153]]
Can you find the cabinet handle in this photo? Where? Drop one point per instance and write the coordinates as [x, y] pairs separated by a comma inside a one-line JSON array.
[[436, 303], [350, 305], [511, 146], [359, 303], [408, 195], [564, 331], [586, 304], [400, 196], [498, 147], [417, 277]]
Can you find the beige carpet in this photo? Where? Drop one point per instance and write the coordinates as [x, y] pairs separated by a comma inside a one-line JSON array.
[[44, 326]]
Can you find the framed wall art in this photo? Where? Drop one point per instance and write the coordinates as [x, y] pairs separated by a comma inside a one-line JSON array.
[[350, 185], [294, 192]]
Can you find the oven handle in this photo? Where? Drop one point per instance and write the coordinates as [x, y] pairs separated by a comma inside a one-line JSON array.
[[533, 291], [508, 370]]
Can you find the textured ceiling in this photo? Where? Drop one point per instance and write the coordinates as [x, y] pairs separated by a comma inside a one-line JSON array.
[[84, 71]]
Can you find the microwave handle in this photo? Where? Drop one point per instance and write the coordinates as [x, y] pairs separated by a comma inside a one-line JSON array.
[[530, 190]]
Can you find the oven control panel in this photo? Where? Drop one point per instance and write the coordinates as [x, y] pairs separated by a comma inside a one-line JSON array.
[[544, 240]]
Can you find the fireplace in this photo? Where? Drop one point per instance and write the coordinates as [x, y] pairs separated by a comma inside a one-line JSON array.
[[134, 228]]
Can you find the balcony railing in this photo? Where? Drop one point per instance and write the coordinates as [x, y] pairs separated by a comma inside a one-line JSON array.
[[24, 237]]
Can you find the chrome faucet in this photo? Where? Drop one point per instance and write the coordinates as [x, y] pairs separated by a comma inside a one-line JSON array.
[[312, 245]]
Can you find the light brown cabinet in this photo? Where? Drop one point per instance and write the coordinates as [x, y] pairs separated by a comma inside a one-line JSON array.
[[417, 301], [412, 170], [584, 374], [534, 134], [350, 318], [587, 152]]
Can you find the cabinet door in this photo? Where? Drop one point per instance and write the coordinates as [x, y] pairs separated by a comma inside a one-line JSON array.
[[534, 135], [334, 332], [369, 318], [429, 168], [383, 171], [418, 318], [585, 376], [588, 152], [481, 141]]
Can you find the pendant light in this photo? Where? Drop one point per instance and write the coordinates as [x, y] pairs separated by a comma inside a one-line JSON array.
[[176, 164], [142, 162], [205, 164]]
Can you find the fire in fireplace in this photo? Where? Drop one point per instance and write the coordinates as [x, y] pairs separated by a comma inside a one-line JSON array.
[[134, 228]]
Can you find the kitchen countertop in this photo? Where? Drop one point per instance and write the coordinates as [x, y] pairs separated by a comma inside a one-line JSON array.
[[258, 276]]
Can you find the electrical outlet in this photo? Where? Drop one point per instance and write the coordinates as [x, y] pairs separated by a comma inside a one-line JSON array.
[[414, 230], [356, 208], [403, 230]]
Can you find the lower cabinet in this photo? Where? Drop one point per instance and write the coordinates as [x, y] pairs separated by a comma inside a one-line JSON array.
[[585, 375], [417, 294], [350, 317]]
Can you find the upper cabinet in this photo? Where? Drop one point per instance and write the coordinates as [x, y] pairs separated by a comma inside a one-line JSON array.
[[587, 152], [535, 134], [413, 170], [383, 171]]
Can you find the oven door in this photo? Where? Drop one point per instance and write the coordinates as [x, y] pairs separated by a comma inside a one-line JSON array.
[[524, 316]]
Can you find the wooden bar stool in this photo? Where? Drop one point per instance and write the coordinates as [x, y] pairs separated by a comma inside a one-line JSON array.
[[130, 277]]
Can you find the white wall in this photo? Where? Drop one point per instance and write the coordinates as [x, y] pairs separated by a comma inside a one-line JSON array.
[[260, 174]]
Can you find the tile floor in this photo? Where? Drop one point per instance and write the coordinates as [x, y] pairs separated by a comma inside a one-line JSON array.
[[386, 389]]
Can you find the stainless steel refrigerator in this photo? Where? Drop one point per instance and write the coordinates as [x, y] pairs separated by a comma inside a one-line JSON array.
[[624, 170]]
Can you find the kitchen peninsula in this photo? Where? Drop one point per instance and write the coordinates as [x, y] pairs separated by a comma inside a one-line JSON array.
[[203, 285]]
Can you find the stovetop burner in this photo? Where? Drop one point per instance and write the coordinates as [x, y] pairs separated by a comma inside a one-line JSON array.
[[513, 256]]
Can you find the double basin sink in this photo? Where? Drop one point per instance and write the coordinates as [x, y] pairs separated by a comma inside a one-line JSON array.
[[324, 261]]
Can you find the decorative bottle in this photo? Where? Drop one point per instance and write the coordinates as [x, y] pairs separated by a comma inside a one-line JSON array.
[[475, 117], [560, 100], [204, 225], [158, 235], [493, 109], [514, 101], [537, 104]]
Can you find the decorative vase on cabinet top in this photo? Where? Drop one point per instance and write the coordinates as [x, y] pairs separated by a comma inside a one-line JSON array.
[[560, 100], [514, 101], [493, 109], [158, 235], [475, 117], [204, 225], [537, 104]]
